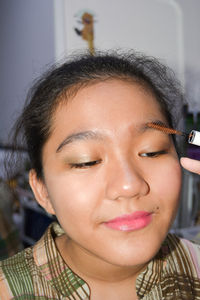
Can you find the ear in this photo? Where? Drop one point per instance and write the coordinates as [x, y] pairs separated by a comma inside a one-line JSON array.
[[40, 192]]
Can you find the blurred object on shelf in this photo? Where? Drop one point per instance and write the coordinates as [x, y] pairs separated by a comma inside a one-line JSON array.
[[27, 218], [189, 122], [189, 200], [197, 221], [9, 235], [31, 220], [197, 121]]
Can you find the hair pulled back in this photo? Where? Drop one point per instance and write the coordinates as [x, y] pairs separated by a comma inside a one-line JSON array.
[[61, 82]]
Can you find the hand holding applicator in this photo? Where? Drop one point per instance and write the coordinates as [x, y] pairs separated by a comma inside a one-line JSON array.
[[193, 138]]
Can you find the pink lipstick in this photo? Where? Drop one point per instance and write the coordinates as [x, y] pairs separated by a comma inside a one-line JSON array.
[[130, 222]]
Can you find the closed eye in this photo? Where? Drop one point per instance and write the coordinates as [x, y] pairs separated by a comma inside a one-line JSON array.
[[83, 165], [153, 154]]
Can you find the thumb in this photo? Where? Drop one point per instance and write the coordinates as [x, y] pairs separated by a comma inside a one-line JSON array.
[[191, 165]]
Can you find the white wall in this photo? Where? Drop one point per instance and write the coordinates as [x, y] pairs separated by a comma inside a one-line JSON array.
[[26, 47]]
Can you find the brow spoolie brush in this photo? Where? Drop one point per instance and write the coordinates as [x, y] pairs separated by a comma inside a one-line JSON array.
[[192, 138]]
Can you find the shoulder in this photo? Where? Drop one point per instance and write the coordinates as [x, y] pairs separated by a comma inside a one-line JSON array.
[[26, 274], [17, 263], [193, 251], [184, 253], [15, 274]]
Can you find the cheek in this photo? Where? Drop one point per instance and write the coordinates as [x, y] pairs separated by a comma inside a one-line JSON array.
[[166, 183], [74, 198]]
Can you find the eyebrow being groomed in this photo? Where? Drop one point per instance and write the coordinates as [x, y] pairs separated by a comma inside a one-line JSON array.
[[157, 125], [94, 135]]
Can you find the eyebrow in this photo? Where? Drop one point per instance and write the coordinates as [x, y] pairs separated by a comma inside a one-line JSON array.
[[92, 135], [84, 135]]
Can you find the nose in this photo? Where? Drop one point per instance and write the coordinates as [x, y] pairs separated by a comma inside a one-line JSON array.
[[126, 180]]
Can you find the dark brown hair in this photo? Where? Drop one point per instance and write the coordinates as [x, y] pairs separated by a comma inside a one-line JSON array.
[[33, 127]]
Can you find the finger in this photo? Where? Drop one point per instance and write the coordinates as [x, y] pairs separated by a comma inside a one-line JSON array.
[[191, 165]]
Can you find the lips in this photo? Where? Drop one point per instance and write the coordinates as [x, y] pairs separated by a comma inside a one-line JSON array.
[[130, 222]]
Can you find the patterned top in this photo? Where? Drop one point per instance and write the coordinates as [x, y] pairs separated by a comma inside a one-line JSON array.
[[39, 272]]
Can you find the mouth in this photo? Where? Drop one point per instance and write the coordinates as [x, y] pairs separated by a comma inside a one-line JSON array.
[[130, 222]]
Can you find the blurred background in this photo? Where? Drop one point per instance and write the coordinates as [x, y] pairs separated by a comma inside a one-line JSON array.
[[34, 34]]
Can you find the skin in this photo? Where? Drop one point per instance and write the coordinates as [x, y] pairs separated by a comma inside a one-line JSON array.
[[125, 179], [191, 165]]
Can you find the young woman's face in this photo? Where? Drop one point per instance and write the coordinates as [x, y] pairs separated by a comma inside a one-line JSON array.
[[113, 183]]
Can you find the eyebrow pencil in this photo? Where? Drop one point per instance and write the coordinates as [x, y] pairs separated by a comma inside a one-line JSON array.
[[193, 137]]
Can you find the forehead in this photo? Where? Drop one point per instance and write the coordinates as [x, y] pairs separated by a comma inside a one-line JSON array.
[[108, 100]]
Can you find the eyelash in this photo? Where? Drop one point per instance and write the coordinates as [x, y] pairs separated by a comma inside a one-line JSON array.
[[89, 164], [153, 154]]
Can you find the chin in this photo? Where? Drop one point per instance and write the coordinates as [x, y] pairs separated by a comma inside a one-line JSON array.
[[138, 254]]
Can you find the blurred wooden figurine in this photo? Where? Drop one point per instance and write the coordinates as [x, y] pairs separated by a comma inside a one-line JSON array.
[[87, 32]]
